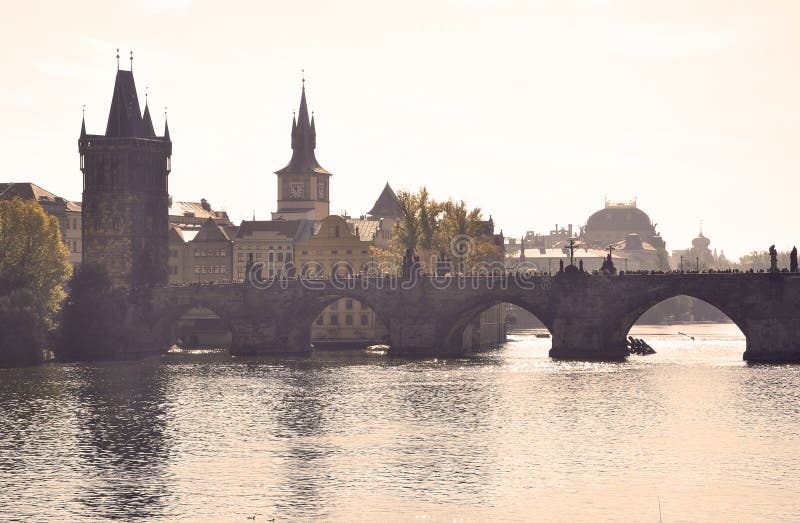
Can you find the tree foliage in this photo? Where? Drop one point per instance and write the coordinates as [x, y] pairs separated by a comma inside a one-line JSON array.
[[93, 318], [33, 268], [431, 228]]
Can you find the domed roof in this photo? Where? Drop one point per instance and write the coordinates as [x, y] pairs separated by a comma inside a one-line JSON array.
[[701, 242], [619, 218]]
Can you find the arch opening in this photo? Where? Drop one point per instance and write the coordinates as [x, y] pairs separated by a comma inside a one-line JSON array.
[[683, 325], [487, 326], [199, 328], [346, 323]]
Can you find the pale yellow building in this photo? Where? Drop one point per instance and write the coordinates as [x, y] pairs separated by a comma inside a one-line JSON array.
[[335, 248], [267, 242]]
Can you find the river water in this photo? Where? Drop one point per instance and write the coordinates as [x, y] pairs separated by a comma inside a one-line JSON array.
[[691, 431]]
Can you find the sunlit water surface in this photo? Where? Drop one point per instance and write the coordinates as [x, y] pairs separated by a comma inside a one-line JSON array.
[[507, 434]]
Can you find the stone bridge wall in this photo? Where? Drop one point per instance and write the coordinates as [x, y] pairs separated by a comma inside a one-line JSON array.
[[588, 316]]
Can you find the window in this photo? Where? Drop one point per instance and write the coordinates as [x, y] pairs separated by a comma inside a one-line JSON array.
[[364, 319], [241, 256], [349, 251], [348, 319], [363, 252], [303, 252], [334, 319], [335, 251], [319, 320], [196, 253], [271, 256], [334, 305], [280, 256], [348, 305]]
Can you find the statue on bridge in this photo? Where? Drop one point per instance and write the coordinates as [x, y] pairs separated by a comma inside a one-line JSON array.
[[773, 259], [793, 260], [608, 264], [408, 261]]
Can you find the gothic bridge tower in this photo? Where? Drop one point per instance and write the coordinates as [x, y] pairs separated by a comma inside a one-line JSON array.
[[303, 185], [125, 191]]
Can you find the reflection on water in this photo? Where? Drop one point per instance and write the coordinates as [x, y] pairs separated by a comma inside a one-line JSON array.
[[506, 434]]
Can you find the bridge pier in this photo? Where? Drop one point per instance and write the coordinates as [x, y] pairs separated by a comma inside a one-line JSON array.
[[577, 338], [417, 338], [773, 340]]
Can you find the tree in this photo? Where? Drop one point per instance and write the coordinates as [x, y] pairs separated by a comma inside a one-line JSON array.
[[93, 325], [33, 268], [430, 228]]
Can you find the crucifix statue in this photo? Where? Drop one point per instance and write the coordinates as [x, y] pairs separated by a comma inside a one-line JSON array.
[[571, 249]]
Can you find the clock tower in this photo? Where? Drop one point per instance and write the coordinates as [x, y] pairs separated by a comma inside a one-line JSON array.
[[303, 185]]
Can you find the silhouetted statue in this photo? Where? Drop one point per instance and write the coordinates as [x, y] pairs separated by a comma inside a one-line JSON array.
[[560, 266], [773, 259], [793, 260], [608, 266], [408, 262], [580, 265]]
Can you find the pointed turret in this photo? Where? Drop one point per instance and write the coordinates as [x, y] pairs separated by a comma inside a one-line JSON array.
[[166, 129], [124, 117], [387, 205], [148, 123], [304, 141], [83, 126]]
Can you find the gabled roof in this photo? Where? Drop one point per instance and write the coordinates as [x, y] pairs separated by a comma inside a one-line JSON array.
[[31, 191], [304, 141], [288, 228], [387, 205], [197, 210], [211, 232], [175, 234], [364, 229], [125, 117]]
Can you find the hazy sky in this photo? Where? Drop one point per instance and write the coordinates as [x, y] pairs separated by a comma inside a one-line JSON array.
[[532, 110]]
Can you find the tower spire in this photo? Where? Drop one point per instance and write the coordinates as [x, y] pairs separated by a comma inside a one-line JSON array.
[[149, 131], [83, 121], [131, 61], [117, 58], [166, 125]]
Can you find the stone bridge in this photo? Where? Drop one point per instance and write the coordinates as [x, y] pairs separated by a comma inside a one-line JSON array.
[[588, 316]]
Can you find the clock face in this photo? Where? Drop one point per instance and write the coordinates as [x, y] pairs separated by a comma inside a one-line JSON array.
[[321, 190], [296, 191]]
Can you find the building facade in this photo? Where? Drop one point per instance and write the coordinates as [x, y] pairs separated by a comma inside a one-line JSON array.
[[271, 243], [125, 192], [336, 249]]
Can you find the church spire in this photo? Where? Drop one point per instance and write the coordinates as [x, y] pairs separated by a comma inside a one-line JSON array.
[[304, 141]]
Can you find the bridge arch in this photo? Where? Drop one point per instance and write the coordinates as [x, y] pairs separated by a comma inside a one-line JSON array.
[[456, 324], [344, 318], [165, 328], [632, 316]]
